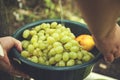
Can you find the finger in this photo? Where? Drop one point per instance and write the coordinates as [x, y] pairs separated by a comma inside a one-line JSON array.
[[17, 44]]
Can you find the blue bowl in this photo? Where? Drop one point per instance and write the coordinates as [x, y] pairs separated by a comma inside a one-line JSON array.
[[44, 72]]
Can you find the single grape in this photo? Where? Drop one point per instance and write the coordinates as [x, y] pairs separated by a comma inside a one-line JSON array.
[[72, 35], [52, 52], [56, 36], [26, 33], [61, 63], [59, 49], [43, 26], [25, 44], [78, 62], [50, 40], [41, 60], [65, 56], [52, 60], [42, 46], [73, 55], [25, 54], [37, 28], [58, 57], [33, 32], [65, 39], [74, 42], [79, 55], [74, 48], [30, 48], [71, 62], [35, 44], [86, 58], [34, 40], [68, 45], [56, 44], [34, 59], [53, 24]]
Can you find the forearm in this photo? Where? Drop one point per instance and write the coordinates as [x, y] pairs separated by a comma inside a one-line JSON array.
[[100, 15]]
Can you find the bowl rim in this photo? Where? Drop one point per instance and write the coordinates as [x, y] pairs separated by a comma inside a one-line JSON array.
[[53, 68]]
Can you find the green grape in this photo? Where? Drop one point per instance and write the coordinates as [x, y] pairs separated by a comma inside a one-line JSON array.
[[70, 62], [42, 38], [68, 30], [35, 44], [25, 44], [26, 33], [79, 55], [50, 31], [72, 35], [52, 60], [61, 63], [58, 57], [42, 46], [45, 51], [65, 39], [41, 60], [35, 36], [33, 40], [73, 55], [59, 49], [74, 48], [56, 44], [86, 58], [65, 56], [62, 28], [68, 45], [49, 47], [84, 52], [33, 32], [30, 48], [50, 40], [56, 36], [35, 52], [40, 53], [40, 33], [78, 62], [25, 54], [58, 31], [91, 55], [37, 28], [43, 26], [52, 52], [53, 24], [34, 59], [59, 26], [48, 25], [74, 42]]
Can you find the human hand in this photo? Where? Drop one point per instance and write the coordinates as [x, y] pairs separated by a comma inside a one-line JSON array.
[[7, 43], [110, 44]]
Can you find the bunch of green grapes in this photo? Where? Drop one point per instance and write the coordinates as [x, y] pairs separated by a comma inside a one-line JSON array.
[[53, 44]]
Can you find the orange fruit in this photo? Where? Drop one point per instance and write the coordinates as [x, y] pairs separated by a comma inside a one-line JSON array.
[[86, 41]]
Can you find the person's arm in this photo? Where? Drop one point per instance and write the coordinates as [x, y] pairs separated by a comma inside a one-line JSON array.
[[101, 16]]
